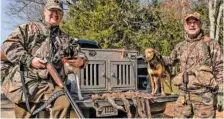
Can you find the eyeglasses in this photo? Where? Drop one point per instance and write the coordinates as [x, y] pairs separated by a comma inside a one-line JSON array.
[[192, 22]]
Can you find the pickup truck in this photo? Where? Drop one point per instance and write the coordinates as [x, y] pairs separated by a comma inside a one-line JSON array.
[[110, 70]]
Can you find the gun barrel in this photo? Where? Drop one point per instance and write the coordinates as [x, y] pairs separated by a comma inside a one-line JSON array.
[[73, 103]]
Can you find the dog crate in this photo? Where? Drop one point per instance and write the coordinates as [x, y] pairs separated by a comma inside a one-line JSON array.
[[109, 70]]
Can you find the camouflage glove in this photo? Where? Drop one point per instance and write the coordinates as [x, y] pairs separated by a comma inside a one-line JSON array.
[[84, 58], [77, 62], [220, 99]]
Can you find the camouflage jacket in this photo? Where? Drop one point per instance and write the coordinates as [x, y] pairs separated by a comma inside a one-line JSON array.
[[27, 41], [191, 53]]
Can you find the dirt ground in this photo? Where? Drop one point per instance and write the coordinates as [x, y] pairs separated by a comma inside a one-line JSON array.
[[170, 107]]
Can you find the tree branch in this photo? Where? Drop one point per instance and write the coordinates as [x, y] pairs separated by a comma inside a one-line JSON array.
[[23, 7]]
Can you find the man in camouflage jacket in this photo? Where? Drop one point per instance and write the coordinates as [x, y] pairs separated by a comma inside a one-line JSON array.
[[201, 57], [28, 45]]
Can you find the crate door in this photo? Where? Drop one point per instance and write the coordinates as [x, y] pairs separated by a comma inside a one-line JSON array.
[[123, 74]]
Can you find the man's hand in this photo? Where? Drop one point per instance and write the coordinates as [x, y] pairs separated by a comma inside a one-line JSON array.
[[76, 62], [38, 63]]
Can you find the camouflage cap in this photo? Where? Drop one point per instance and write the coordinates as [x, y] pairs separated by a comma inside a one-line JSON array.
[[54, 4], [193, 15]]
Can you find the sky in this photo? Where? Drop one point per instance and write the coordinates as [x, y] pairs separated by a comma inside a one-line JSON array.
[[7, 24], [5, 28]]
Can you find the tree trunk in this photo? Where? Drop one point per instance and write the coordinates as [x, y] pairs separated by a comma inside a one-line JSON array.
[[215, 16], [212, 18], [218, 21]]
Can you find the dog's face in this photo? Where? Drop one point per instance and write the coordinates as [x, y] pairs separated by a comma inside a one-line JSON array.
[[149, 54]]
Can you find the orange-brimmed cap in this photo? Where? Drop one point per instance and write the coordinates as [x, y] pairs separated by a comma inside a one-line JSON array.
[[194, 15]]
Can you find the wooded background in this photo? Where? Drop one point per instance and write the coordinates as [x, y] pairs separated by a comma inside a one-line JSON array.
[[129, 24]]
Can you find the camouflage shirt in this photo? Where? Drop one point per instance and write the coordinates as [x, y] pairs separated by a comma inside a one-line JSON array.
[[24, 41], [27, 41], [193, 52]]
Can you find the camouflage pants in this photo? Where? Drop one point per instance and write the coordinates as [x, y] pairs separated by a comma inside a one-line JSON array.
[[200, 106], [58, 108]]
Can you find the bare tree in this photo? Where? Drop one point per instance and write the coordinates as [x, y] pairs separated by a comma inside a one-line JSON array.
[[29, 10], [25, 10], [216, 8], [176, 9]]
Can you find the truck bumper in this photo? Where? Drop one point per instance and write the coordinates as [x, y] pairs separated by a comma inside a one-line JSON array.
[[158, 105]]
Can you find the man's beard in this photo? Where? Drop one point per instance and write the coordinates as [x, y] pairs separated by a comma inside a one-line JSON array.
[[192, 36]]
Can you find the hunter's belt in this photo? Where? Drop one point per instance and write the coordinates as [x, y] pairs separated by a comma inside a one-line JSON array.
[[196, 91], [190, 89]]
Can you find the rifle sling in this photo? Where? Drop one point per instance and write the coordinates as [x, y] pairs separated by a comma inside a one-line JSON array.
[[49, 101], [25, 92]]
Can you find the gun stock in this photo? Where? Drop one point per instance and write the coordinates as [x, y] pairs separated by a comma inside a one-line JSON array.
[[54, 75], [3, 57]]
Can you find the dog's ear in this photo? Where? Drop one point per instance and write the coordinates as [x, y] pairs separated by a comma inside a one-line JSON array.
[[156, 53], [145, 51]]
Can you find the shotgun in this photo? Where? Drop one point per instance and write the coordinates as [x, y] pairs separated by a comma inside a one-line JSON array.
[[57, 79]]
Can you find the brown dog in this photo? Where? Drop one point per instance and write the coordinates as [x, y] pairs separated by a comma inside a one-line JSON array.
[[155, 71]]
